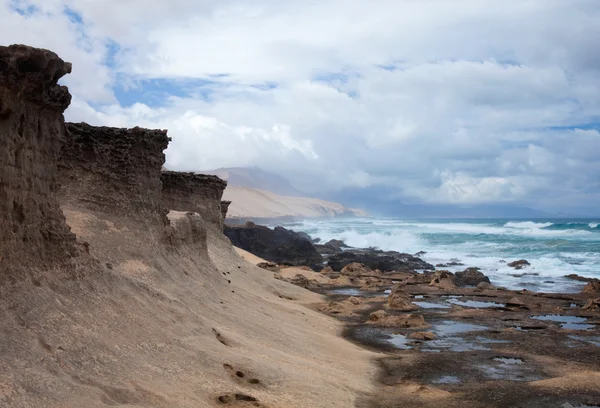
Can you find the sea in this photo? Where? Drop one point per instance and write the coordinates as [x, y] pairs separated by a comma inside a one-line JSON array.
[[554, 247]]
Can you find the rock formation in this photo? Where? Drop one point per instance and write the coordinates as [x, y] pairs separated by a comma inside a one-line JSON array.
[[375, 259], [114, 170], [224, 207], [194, 192], [34, 232], [592, 287], [470, 277], [355, 270], [276, 245], [520, 264], [400, 300]]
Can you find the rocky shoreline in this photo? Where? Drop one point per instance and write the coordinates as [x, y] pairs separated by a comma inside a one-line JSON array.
[[454, 339]]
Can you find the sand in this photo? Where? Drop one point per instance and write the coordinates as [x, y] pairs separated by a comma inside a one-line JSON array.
[[152, 326]]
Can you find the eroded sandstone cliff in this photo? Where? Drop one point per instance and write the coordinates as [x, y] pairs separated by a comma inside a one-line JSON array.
[[114, 170], [193, 192], [33, 230]]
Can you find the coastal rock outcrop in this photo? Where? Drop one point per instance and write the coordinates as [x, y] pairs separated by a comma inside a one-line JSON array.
[[382, 318], [443, 280], [520, 264], [114, 170], [193, 192], [34, 231], [376, 259], [224, 208], [400, 300], [355, 270], [592, 287], [470, 277], [276, 245]]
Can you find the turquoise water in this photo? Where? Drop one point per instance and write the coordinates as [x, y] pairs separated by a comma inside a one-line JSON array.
[[555, 247]]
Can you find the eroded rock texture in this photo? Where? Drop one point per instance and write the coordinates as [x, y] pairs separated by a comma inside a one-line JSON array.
[[193, 192], [224, 208], [32, 130], [114, 170]]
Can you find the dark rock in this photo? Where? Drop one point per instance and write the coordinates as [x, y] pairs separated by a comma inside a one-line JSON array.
[[420, 253], [579, 278], [375, 259], [270, 266], [276, 245], [446, 265], [304, 235], [470, 277], [224, 208], [32, 131], [520, 264], [333, 246]]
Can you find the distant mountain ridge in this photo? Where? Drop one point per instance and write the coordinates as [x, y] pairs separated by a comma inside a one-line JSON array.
[[255, 193], [253, 177]]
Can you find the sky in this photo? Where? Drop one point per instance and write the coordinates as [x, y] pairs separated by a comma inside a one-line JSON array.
[[433, 101]]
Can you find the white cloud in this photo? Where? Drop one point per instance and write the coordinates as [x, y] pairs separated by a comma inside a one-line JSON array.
[[445, 101]]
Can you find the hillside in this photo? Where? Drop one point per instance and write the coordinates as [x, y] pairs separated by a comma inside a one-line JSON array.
[[252, 177], [253, 203]]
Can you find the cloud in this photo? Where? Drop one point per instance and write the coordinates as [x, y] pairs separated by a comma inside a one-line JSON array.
[[459, 102]]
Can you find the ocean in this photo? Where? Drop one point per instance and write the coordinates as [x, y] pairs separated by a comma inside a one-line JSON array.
[[554, 247]]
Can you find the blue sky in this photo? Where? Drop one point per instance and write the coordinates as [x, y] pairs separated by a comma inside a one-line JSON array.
[[435, 101]]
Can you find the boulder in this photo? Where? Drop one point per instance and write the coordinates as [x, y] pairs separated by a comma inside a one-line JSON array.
[[516, 303], [383, 319], [485, 286], [400, 300], [576, 277], [376, 259], [520, 264], [270, 266], [592, 304], [327, 270], [422, 336], [592, 288], [300, 280], [443, 280], [276, 245], [355, 269], [470, 277]]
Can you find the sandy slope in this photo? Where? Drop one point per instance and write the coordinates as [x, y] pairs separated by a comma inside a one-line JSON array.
[[155, 326], [250, 202]]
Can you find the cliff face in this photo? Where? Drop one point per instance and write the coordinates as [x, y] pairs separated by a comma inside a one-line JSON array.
[[34, 232], [196, 193], [114, 170], [224, 208]]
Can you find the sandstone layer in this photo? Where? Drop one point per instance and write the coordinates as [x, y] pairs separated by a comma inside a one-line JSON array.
[[147, 323], [34, 233], [198, 193]]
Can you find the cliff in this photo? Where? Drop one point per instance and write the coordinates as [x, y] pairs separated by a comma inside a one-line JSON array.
[[114, 170], [196, 193], [150, 321], [34, 233]]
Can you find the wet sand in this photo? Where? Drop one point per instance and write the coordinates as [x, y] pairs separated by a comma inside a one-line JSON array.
[[543, 351]]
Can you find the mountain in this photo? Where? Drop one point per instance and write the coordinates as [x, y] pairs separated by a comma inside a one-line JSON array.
[[255, 203], [253, 177], [373, 199], [255, 193]]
